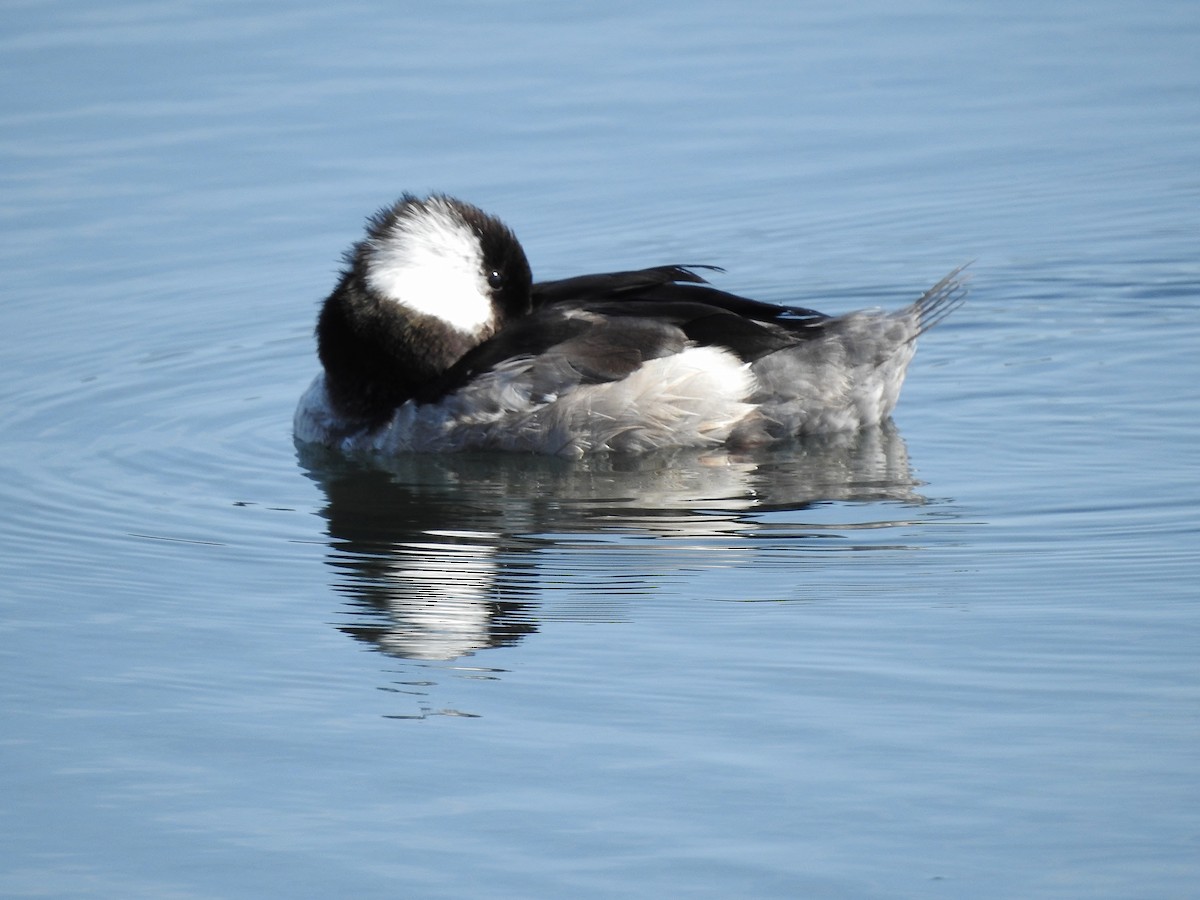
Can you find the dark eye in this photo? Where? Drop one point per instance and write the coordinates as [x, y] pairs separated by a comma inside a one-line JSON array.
[[495, 279]]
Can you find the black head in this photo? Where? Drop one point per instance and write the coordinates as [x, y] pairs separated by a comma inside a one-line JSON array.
[[433, 278]]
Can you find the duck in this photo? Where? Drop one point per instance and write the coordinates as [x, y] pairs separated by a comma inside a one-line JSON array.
[[436, 339]]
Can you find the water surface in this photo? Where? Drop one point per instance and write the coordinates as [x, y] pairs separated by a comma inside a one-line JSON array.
[[953, 656]]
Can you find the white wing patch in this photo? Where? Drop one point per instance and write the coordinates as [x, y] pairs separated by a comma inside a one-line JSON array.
[[430, 262]]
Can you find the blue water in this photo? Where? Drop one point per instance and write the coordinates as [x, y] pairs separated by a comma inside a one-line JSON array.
[[952, 657]]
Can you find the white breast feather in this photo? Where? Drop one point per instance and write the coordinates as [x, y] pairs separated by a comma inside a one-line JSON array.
[[315, 421]]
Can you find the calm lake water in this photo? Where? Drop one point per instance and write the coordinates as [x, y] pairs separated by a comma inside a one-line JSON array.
[[958, 656]]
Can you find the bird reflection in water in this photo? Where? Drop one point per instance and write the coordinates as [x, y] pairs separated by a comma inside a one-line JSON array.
[[441, 556]]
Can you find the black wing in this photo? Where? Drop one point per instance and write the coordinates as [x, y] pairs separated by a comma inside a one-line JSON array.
[[665, 284], [599, 328], [572, 345]]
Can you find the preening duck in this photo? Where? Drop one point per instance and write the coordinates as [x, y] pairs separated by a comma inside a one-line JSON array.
[[437, 339]]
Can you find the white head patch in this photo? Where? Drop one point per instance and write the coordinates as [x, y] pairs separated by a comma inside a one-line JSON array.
[[430, 262]]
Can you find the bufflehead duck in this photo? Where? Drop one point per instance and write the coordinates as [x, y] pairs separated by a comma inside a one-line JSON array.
[[437, 339]]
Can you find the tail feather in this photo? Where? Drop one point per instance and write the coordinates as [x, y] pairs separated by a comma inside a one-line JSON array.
[[940, 300]]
